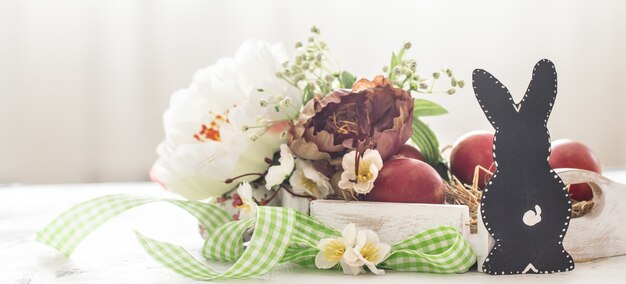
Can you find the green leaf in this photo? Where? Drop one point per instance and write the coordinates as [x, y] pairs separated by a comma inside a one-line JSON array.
[[426, 141], [307, 93], [444, 171], [401, 54], [394, 61], [427, 108], [346, 79]]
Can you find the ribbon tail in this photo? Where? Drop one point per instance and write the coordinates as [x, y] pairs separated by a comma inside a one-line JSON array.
[[176, 258], [69, 229], [273, 227], [437, 250]]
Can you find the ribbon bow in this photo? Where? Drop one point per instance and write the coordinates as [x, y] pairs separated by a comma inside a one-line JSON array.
[[280, 235]]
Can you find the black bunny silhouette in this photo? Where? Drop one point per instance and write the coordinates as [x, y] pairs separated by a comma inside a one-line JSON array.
[[525, 206]]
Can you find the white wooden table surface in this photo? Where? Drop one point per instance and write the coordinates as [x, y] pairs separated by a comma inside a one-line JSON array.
[[111, 254]]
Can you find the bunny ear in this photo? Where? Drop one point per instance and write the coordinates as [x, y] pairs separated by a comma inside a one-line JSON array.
[[541, 93], [493, 97]]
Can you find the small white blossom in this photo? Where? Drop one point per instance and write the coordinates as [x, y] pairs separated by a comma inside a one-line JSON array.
[[353, 251], [370, 251], [306, 179], [248, 207], [278, 173], [362, 181], [332, 250]]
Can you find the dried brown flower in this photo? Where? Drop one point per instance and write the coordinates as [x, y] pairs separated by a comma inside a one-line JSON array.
[[373, 114]]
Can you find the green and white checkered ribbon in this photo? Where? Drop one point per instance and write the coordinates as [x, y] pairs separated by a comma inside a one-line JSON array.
[[280, 235]]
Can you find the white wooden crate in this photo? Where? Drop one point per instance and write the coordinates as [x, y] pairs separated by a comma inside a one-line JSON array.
[[393, 222]]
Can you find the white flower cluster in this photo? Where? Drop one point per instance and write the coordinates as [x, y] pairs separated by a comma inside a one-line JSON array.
[[358, 175], [304, 180], [353, 250]]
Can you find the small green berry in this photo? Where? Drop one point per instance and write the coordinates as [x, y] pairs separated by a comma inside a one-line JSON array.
[[299, 77], [285, 102]]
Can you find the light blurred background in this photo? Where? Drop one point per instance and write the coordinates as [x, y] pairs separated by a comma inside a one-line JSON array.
[[83, 84]]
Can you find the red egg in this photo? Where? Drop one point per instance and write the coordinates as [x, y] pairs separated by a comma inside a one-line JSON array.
[[573, 154], [409, 151], [409, 181], [471, 150]]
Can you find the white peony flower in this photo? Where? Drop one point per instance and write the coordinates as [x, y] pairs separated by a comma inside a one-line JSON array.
[[306, 179], [248, 207], [206, 141], [361, 177], [278, 173]]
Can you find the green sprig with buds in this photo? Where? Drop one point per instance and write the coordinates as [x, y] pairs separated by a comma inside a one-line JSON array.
[[314, 70], [278, 103], [403, 74]]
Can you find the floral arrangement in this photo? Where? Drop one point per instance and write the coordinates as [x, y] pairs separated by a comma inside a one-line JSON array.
[[306, 126], [302, 125], [260, 127], [258, 124]]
